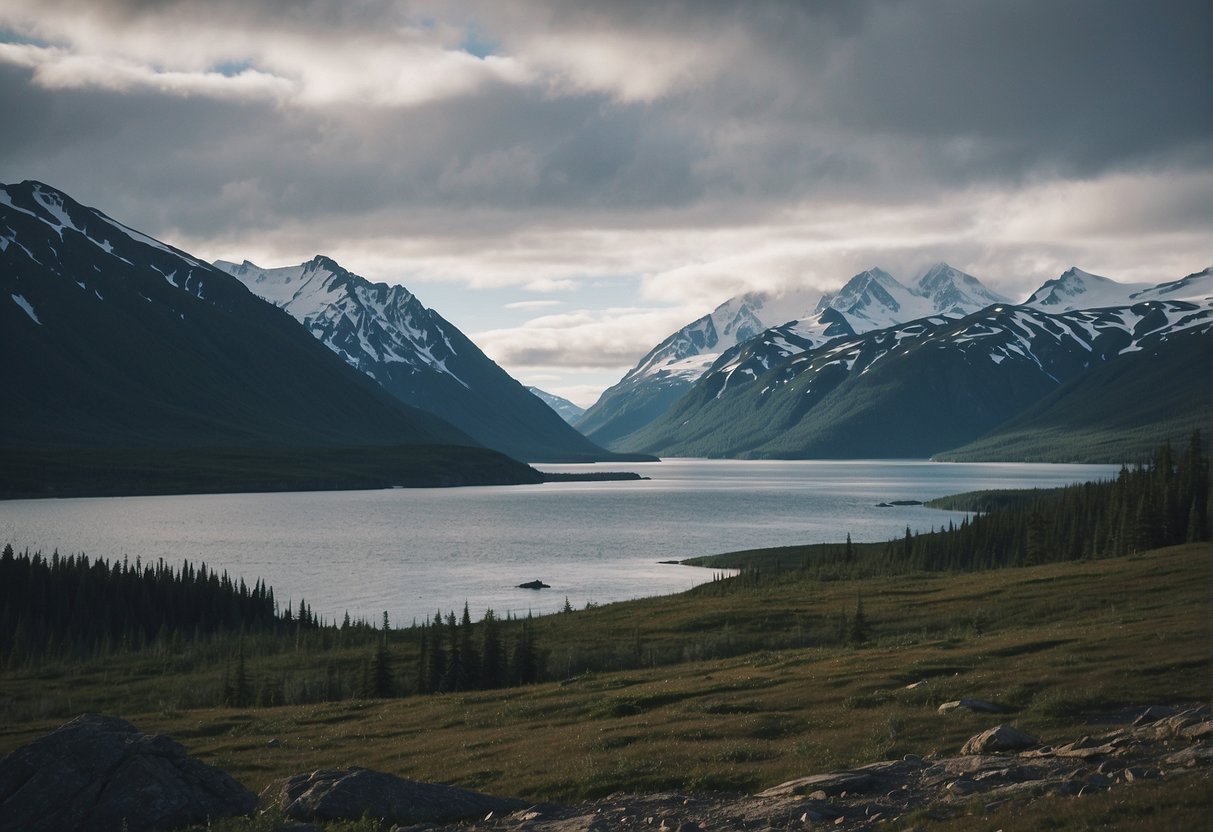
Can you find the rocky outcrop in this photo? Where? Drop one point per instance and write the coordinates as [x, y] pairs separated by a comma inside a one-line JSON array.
[[1163, 743], [99, 773], [977, 706], [351, 794], [998, 767], [999, 738]]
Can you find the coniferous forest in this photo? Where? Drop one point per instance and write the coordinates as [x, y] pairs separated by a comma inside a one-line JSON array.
[[72, 608], [1162, 503]]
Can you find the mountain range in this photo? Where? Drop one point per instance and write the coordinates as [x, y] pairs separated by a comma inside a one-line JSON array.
[[1033, 380], [870, 300], [132, 362], [114, 340], [416, 355]]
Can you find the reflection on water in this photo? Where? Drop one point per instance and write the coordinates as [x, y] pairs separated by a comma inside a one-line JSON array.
[[413, 551]]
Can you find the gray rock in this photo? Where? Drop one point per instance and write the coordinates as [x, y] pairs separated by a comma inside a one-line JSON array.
[[1198, 731], [999, 738], [1196, 755], [974, 705], [351, 794], [965, 787], [99, 773], [831, 785], [1153, 714]]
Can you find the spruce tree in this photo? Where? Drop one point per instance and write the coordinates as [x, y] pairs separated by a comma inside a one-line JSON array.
[[859, 623], [382, 682]]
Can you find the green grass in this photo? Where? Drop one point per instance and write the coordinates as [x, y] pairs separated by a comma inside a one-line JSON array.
[[1182, 801], [1057, 644]]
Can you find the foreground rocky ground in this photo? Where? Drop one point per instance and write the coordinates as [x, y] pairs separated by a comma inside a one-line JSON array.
[[99, 773], [996, 767]]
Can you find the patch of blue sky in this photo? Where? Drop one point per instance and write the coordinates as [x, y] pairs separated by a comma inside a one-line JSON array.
[[232, 68], [495, 307], [478, 43], [13, 36]]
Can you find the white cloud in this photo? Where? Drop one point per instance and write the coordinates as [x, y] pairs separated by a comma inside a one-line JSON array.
[[534, 304], [178, 50], [56, 68], [608, 339]]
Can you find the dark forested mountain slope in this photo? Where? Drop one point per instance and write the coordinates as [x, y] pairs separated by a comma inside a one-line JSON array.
[[115, 340], [1118, 411], [416, 355]]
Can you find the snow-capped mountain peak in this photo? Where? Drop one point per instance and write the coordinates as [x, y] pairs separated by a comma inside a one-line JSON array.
[[954, 292], [690, 351], [367, 324], [1195, 287], [1077, 289], [874, 299]]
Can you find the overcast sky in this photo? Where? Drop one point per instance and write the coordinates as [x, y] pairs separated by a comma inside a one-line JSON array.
[[569, 182]]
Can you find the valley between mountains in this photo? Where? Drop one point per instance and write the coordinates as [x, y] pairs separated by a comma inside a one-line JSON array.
[[231, 376]]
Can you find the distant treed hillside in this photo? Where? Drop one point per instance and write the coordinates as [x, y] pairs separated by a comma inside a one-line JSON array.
[[1165, 502], [1116, 412]]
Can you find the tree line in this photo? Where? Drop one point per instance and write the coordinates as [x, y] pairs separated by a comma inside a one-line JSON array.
[[73, 606], [66, 608]]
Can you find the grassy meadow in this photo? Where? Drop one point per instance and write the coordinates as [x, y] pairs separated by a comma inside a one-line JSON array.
[[735, 685]]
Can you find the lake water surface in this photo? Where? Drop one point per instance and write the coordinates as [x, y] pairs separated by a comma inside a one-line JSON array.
[[414, 551]]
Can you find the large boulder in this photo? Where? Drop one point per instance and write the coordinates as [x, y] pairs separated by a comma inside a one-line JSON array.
[[99, 773], [999, 738], [351, 794]]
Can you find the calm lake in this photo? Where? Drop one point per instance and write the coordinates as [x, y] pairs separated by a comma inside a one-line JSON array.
[[412, 552]]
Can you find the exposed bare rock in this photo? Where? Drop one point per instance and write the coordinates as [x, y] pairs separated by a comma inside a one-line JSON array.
[[99, 773], [350, 794], [978, 706], [999, 738], [872, 796]]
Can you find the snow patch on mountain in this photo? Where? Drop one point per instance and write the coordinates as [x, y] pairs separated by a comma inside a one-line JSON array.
[[27, 306]]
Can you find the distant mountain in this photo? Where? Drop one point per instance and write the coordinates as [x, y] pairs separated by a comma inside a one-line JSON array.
[[116, 340], [671, 367], [564, 408], [874, 299], [870, 300], [416, 355], [910, 390], [1076, 289], [953, 292]]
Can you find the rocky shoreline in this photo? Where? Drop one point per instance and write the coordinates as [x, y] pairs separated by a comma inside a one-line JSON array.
[[99, 773]]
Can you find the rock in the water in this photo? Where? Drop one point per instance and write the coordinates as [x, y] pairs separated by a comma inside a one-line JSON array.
[[976, 705], [534, 585], [351, 794], [99, 773], [999, 738]]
